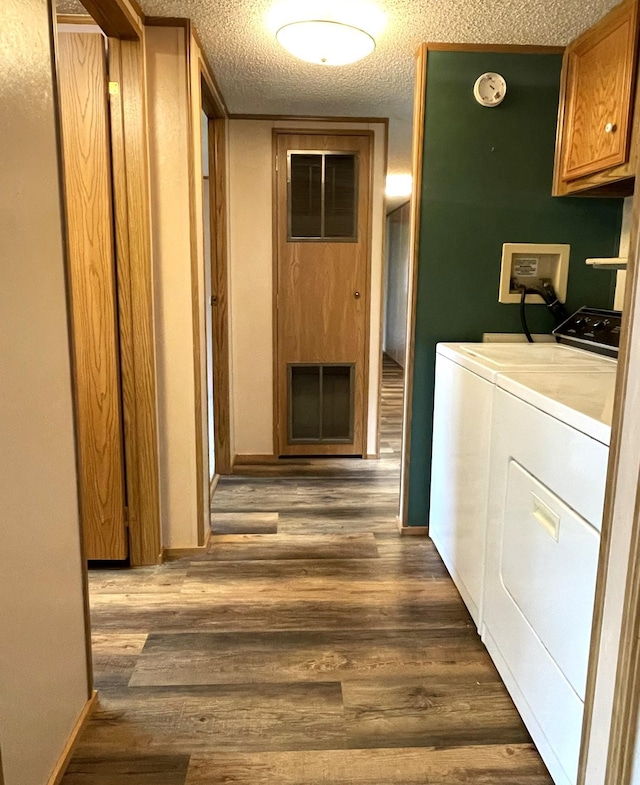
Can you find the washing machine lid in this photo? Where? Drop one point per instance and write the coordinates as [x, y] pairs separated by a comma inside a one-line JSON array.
[[489, 359], [581, 399]]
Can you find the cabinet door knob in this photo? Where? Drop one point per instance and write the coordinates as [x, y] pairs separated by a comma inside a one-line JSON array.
[[609, 128], [356, 295]]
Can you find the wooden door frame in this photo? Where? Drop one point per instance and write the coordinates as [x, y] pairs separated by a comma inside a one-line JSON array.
[[220, 287], [383, 294], [205, 96], [213, 105], [277, 446], [122, 22], [211, 102], [117, 18], [135, 270], [620, 555], [417, 152]]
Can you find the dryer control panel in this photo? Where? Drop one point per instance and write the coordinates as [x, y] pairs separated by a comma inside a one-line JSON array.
[[594, 329]]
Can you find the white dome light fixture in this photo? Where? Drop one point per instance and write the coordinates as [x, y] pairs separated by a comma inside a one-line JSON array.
[[399, 185], [325, 42], [326, 32]]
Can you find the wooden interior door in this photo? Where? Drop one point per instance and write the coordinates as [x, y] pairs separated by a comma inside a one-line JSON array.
[[87, 177], [322, 292], [600, 80]]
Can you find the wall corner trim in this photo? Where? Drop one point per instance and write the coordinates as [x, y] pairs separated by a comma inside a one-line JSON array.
[[173, 554], [525, 49], [250, 459], [413, 531], [65, 758]]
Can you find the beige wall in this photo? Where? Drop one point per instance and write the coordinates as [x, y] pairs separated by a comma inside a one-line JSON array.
[[250, 196], [166, 61], [43, 675], [250, 255]]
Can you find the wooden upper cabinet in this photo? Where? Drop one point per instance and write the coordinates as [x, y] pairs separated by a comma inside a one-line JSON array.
[[598, 100]]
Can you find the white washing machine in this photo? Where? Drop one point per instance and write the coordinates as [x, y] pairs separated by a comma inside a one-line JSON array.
[[465, 386], [549, 451]]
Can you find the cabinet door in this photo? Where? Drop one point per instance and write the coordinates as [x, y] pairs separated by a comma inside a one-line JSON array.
[[600, 78]]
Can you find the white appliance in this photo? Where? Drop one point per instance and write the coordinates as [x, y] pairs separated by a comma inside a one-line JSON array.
[[521, 444], [466, 376], [549, 450]]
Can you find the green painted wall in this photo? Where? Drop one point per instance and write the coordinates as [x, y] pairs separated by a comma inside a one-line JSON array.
[[487, 176]]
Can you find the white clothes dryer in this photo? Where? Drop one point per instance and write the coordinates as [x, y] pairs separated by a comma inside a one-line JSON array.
[[549, 451], [464, 398]]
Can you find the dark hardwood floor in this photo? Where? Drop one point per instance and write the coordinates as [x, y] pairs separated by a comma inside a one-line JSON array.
[[310, 645]]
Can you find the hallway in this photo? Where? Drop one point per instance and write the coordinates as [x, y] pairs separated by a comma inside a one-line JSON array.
[[310, 644]]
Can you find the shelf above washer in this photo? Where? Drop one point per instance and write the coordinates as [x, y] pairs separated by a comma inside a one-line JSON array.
[[609, 263]]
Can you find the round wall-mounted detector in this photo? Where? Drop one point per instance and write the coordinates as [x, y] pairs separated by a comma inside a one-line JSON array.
[[490, 89]]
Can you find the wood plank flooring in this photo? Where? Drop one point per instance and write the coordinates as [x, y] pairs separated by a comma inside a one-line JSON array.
[[310, 645]]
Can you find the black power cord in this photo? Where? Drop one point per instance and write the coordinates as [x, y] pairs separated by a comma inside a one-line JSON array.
[[548, 294], [523, 315]]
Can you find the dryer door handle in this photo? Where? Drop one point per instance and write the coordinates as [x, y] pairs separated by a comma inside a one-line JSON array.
[[546, 517]]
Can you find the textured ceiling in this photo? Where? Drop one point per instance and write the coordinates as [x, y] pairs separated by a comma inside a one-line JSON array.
[[257, 77]]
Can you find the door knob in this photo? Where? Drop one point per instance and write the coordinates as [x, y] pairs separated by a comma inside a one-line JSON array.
[[356, 295], [609, 128]]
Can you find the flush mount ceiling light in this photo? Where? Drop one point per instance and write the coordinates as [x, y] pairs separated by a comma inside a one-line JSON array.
[[325, 42], [326, 32], [399, 185]]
